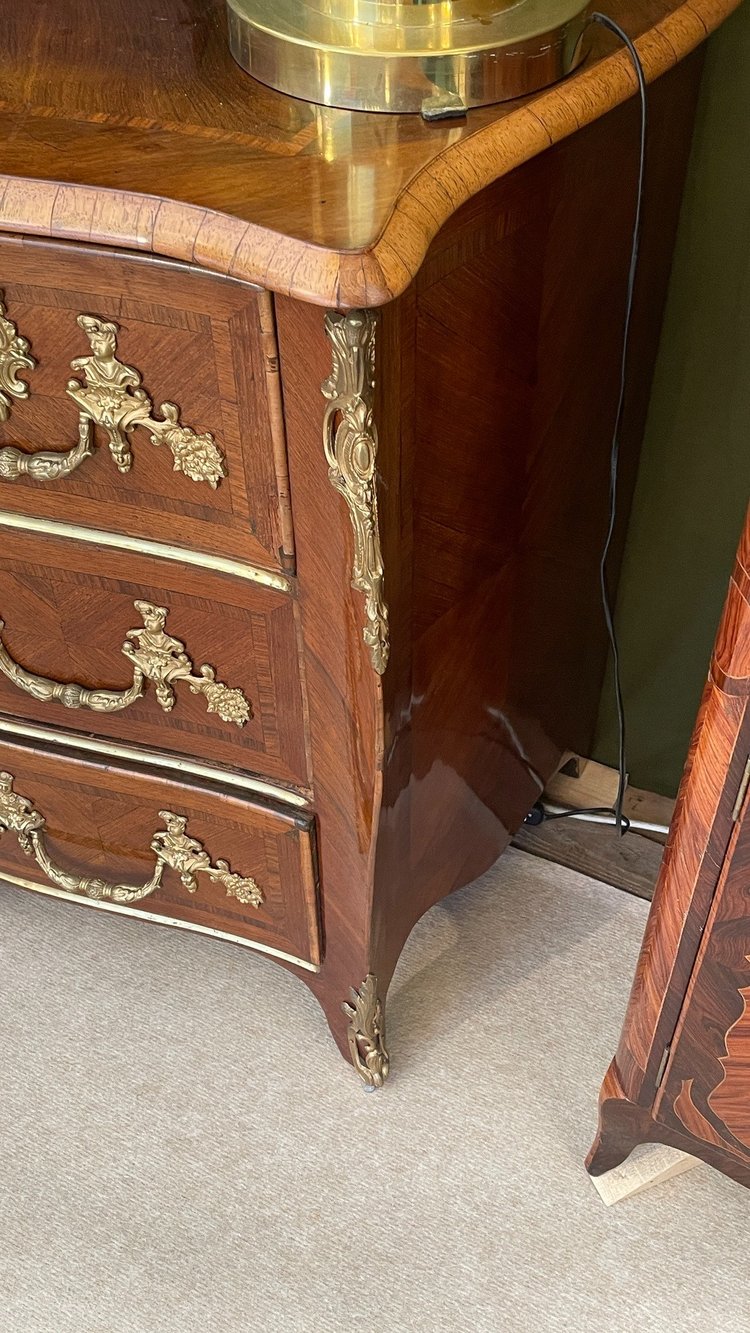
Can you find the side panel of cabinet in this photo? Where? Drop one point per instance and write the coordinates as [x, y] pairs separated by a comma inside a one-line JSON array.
[[700, 838], [706, 1090], [498, 378]]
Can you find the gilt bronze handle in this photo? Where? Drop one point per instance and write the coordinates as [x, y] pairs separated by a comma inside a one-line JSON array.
[[155, 656], [109, 395], [172, 846]]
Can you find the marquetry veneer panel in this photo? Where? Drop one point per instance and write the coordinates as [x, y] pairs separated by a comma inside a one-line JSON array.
[[99, 824], [68, 611], [201, 342], [682, 1070]]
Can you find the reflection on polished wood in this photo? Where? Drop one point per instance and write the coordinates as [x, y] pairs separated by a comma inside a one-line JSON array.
[[254, 183], [493, 457]]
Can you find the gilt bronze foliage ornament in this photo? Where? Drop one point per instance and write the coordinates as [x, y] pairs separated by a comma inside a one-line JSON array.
[[173, 847], [350, 441], [367, 1033], [15, 356]]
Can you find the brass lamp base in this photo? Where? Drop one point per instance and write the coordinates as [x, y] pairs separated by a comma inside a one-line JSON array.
[[438, 57]]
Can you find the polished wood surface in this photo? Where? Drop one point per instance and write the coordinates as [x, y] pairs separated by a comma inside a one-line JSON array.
[[101, 819], [493, 459], [199, 341], [139, 130], [495, 462], [681, 1066], [66, 619]]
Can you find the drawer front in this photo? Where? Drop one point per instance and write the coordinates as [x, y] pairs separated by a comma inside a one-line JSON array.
[[153, 406], [184, 854], [149, 653]]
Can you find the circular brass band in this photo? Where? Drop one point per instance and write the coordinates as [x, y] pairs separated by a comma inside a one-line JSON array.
[[398, 55]]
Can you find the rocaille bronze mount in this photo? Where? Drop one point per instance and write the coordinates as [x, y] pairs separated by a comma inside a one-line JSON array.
[[437, 57]]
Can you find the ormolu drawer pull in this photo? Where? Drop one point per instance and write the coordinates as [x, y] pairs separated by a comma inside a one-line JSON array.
[[155, 656], [110, 396], [172, 847], [14, 357]]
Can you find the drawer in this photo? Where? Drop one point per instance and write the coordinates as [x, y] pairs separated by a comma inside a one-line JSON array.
[[187, 855], [152, 654], [162, 381]]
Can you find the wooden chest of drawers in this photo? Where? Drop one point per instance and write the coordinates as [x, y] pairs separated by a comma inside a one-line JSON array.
[[302, 483]]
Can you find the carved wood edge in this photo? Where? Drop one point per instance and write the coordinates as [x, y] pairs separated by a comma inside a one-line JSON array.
[[382, 271], [623, 1125], [172, 846], [730, 661], [275, 401]]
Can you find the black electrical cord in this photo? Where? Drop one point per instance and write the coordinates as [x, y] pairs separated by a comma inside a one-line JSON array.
[[616, 810]]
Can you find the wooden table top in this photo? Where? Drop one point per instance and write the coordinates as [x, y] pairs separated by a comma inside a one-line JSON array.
[[127, 122]]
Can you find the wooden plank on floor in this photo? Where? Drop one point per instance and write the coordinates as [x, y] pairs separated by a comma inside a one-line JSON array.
[[630, 863], [582, 783], [649, 808], [589, 783], [648, 1166]]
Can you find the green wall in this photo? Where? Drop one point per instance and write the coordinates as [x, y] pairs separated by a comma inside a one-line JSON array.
[[694, 479]]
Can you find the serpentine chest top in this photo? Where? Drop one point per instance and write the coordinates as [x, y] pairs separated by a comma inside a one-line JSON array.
[[284, 663]]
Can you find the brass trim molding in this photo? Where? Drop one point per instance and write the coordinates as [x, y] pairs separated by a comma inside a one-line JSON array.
[[173, 848], [142, 546], [350, 442], [139, 914], [367, 1033], [155, 656], [174, 764], [15, 356], [110, 395]]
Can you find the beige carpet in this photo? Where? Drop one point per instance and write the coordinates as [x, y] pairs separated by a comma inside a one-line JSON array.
[[183, 1149]]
